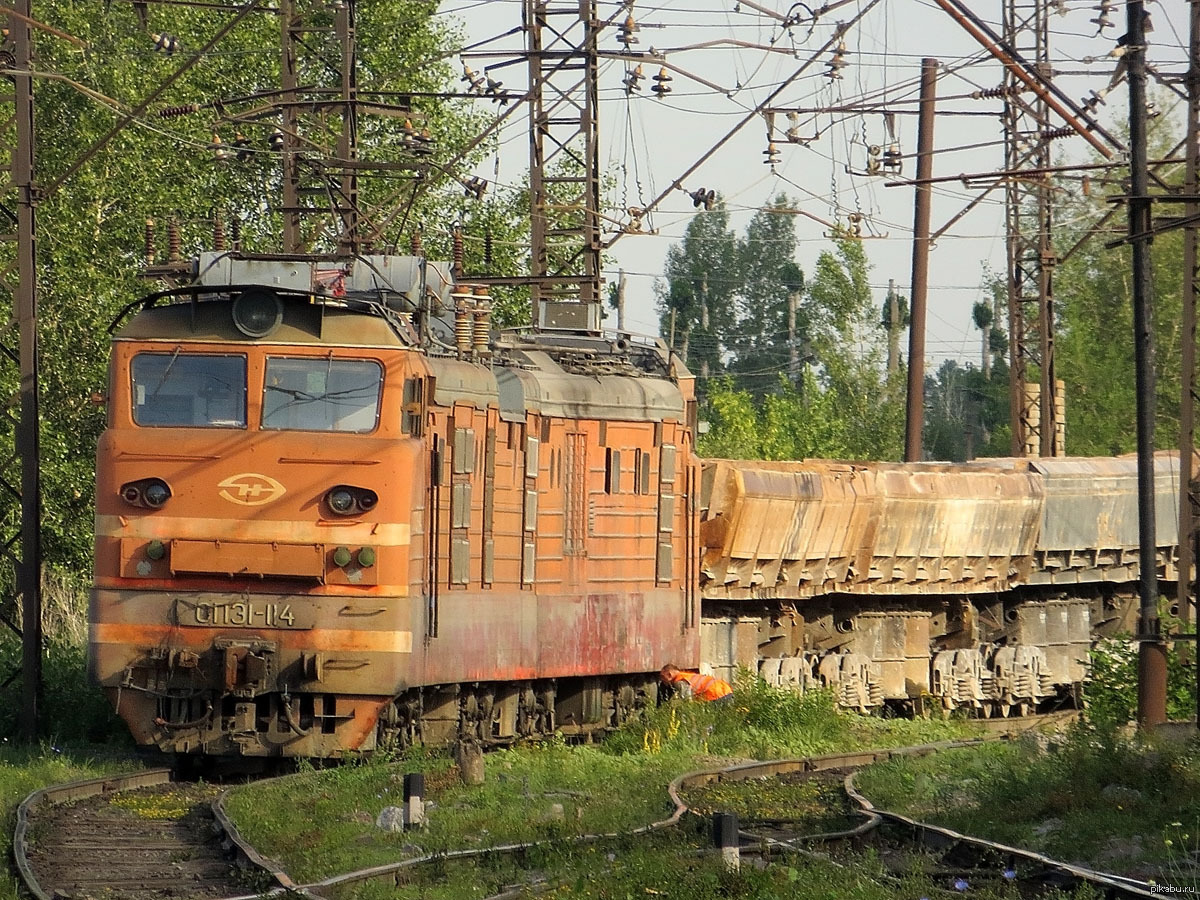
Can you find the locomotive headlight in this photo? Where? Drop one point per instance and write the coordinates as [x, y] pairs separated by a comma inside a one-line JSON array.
[[346, 500], [341, 501], [148, 493], [257, 313], [156, 494]]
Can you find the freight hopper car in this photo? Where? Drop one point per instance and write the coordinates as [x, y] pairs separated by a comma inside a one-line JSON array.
[[977, 586], [324, 520]]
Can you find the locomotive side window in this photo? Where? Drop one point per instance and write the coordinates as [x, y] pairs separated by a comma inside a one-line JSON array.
[[321, 394], [189, 390]]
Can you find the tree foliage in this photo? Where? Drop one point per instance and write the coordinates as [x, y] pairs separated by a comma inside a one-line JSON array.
[[696, 303], [967, 412], [769, 281], [91, 228], [845, 406], [1093, 294]]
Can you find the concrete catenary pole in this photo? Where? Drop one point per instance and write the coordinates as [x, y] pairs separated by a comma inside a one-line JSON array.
[[915, 418], [1152, 651]]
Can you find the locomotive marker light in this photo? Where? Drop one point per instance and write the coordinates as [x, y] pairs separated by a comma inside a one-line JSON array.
[[156, 550], [366, 557], [257, 313], [342, 557]]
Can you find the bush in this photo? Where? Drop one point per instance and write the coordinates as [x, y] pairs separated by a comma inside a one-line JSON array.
[[1111, 692], [73, 709]]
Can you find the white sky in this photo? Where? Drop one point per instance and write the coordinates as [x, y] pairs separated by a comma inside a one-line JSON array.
[[647, 142]]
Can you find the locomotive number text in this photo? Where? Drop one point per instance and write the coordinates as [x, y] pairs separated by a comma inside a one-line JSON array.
[[244, 614]]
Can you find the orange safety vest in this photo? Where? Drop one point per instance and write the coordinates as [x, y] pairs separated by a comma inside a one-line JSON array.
[[705, 687]]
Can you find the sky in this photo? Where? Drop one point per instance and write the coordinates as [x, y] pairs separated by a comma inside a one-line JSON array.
[[647, 142]]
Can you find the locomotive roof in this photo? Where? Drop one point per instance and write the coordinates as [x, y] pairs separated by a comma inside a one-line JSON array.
[[212, 320], [539, 384], [576, 384]]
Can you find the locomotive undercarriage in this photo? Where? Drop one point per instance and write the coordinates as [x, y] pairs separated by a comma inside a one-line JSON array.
[[247, 723], [993, 655], [495, 714]]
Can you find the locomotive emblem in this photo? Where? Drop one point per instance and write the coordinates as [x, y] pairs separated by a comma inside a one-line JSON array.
[[251, 489]]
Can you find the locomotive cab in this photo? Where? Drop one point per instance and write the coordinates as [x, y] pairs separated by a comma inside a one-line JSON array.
[[253, 495]]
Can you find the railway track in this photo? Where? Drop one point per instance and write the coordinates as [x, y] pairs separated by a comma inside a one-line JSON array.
[[960, 860], [144, 837], [139, 837]]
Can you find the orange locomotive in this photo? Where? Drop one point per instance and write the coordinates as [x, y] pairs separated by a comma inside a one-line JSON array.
[[329, 516]]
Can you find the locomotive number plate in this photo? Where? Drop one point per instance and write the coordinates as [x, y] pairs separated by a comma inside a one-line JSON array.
[[243, 614]]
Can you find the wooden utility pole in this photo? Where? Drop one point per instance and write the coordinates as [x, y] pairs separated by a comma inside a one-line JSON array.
[[893, 329], [621, 285], [1186, 582], [29, 565], [793, 350], [1152, 651], [915, 418]]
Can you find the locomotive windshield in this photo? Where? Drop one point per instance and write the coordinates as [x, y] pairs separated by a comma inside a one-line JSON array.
[[321, 394], [189, 390]]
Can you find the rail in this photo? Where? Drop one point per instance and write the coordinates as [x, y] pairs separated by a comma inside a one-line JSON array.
[[850, 762]]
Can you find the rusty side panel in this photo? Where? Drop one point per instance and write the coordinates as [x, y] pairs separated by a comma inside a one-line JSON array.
[[801, 529], [500, 637], [1089, 529]]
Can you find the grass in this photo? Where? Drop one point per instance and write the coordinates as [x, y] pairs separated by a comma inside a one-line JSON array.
[[23, 771], [666, 865], [322, 823], [1118, 804]]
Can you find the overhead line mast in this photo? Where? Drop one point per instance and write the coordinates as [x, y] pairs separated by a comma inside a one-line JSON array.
[[564, 163], [1037, 424]]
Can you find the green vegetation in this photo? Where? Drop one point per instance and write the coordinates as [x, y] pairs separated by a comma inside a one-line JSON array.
[[1111, 692], [666, 865], [75, 712], [837, 401], [23, 771], [321, 823], [814, 803], [1124, 804], [1112, 802]]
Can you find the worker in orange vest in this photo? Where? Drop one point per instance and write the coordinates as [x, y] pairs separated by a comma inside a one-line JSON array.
[[703, 687]]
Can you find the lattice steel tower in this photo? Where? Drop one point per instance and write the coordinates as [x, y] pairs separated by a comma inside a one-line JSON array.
[[1037, 427], [564, 163], [19, 476]]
